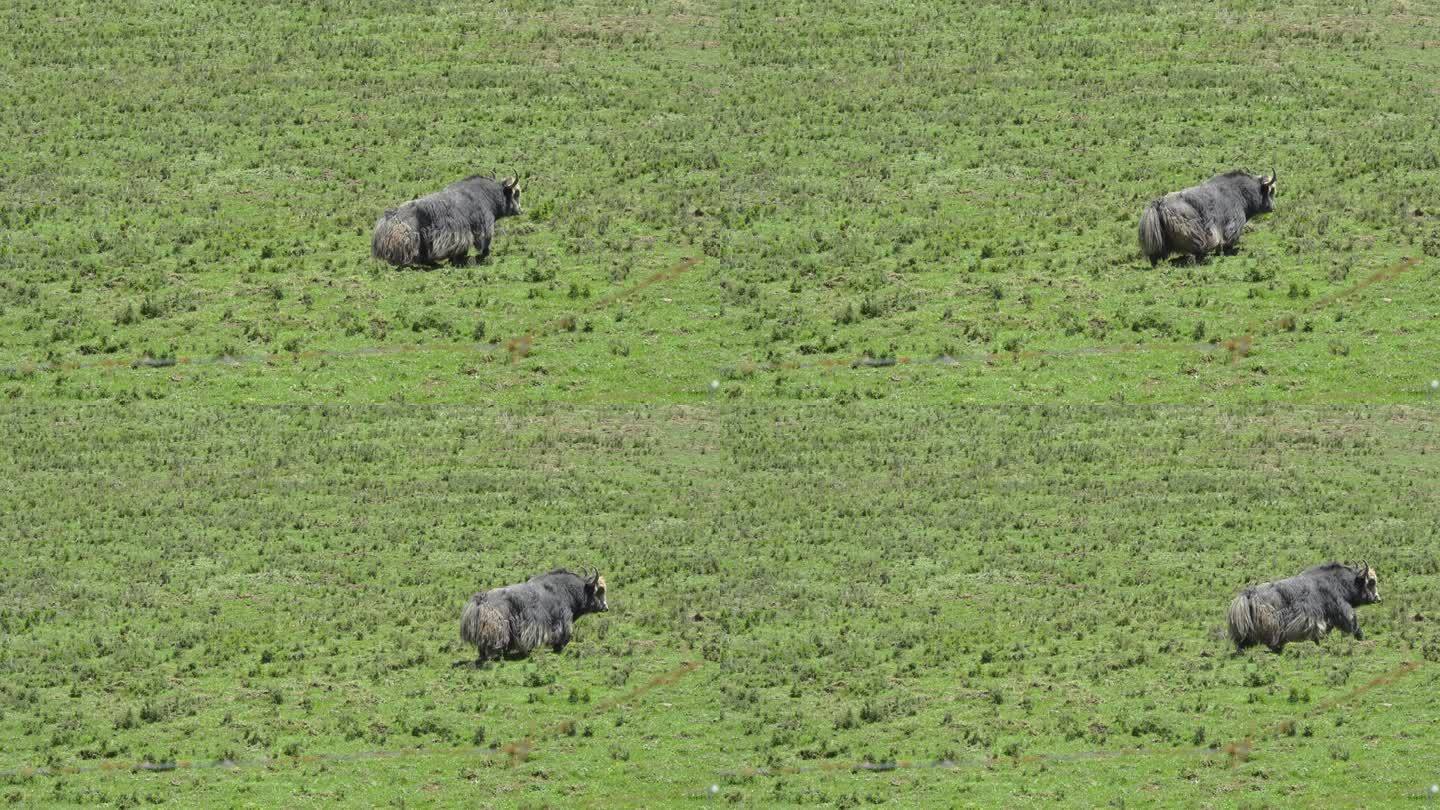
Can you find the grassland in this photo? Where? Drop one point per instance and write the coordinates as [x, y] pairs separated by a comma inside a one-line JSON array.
[[858, 583], [199, 181], [249, 475]]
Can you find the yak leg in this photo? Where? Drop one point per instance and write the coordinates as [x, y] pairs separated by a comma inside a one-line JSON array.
[[559, 639], [1205, 238], [1202, 245], [463, 260], [482, 244], [1350, 623], [1230, 236], [1280, 636]]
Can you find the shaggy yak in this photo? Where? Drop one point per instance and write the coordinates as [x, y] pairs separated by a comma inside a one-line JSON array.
[[1205, 218], [446, 224], [1303, 607], [511, 621]]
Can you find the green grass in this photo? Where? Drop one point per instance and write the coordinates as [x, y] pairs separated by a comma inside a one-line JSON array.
[[919, 180], [858, 583], [1012, 548]]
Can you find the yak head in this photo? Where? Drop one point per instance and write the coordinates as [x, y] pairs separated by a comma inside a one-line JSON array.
[[595, 594], [1267, 192], [511, 189], [1367, 585]]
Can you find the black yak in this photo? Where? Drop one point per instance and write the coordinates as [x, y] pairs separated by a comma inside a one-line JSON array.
[[1205, 218], [513, 620], [1303, 607], [446, 224]]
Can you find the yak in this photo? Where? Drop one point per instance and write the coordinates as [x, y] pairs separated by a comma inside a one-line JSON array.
[[1203, 219], [511, 621], [1303, 607], [445, 225]]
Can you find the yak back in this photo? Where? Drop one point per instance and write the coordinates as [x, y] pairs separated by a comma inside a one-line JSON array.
[[475, 202], [1320, 587], [479, 192], [1235, 189], [545, 596]]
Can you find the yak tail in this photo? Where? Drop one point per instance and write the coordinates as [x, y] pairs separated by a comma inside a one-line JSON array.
[[397, 237], [1253, 620], [1152, 232], [485, 627], [1242, 621]]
